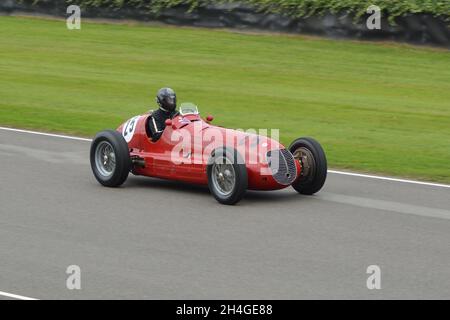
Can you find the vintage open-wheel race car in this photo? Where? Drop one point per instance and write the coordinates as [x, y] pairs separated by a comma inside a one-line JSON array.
[[193, 150]]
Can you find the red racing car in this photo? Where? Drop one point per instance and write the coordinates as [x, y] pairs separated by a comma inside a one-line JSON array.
[[192, 150]]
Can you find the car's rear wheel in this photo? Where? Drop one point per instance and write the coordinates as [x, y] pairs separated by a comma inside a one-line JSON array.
[[110, 158], [227, 176], [313, 161]]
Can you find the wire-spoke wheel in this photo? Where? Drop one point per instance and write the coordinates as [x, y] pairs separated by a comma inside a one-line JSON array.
[[223, 176], [227, 176], [110, 158], [105, 159]]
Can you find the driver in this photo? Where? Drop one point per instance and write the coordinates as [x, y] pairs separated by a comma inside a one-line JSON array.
[[167, 101]]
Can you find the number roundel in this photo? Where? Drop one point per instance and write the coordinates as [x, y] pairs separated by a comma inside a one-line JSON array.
[[129, 128]]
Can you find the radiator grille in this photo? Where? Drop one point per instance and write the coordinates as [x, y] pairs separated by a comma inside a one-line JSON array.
[[282, 164]]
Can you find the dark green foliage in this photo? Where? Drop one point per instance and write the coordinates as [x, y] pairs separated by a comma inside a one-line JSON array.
[[292, 8]]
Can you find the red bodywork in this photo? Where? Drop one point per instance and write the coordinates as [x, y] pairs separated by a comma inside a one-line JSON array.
[[184, 148]]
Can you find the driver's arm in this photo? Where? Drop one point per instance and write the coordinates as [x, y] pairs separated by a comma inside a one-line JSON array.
[[156, 129]]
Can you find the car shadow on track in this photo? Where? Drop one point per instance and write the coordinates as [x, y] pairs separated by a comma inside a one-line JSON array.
[[176, 186], [251, 196]]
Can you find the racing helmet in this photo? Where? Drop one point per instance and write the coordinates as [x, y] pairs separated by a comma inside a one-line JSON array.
[[166, 99]]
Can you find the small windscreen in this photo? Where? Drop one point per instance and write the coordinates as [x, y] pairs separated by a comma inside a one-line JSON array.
[[187, 108]]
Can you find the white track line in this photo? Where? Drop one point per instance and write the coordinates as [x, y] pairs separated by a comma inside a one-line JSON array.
[[15, 296], [45, 134], [431, 184], [389, 179]]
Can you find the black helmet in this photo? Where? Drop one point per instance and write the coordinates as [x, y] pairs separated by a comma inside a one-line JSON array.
[[166, 99]]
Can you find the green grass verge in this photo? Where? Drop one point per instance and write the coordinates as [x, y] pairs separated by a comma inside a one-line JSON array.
[[379, 108]]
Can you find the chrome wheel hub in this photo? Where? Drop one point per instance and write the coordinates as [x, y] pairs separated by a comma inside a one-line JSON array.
[[223, 176], [105, 159]]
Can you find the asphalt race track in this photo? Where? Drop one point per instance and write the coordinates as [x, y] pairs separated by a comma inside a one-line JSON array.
[[155, 239]]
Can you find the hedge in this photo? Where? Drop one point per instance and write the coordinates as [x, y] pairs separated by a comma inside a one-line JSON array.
[[291, 8]]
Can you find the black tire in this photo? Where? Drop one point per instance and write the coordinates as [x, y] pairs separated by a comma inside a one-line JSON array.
[[119, 173], [240, 176], [314, 171]]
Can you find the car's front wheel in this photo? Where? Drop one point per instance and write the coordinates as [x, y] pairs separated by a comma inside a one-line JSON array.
[[314, 165], [110, 158], [227, 176]]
